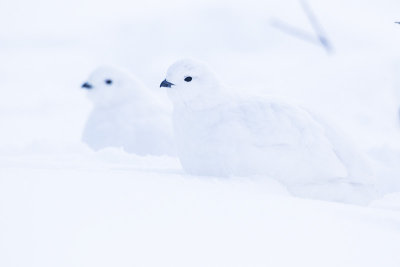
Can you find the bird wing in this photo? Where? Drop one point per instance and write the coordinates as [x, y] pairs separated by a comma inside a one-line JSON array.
[[358, 165], [288, 136]]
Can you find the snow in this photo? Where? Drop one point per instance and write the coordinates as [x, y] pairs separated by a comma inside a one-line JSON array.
[[62, 204], [125, 210]]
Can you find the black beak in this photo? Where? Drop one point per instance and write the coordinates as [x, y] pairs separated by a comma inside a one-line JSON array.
[[87, 86], [166, 83]]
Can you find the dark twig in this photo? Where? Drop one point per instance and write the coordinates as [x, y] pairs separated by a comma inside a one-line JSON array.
[[303, 35], [316, 26]]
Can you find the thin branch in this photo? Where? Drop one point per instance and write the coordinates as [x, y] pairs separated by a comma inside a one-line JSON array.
[[316, 26], [318, 38]]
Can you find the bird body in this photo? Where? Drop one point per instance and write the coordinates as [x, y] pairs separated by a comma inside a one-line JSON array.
[[126, 114], [255, 136], [220, 134]]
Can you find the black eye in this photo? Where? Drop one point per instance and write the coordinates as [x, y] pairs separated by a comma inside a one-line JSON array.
[[188, 79], [108, 81]]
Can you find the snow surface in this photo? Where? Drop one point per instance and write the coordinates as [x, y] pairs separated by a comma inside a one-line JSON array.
[[63, 205], [114, 209]]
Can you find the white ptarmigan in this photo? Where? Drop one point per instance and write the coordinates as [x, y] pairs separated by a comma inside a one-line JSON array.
[[220, 134], [126, 114]]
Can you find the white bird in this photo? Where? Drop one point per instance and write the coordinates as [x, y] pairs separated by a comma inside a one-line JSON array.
[[126, 114], [220, 134]]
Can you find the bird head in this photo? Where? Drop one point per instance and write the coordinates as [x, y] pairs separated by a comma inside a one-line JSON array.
[[189, 82], [109, 85]]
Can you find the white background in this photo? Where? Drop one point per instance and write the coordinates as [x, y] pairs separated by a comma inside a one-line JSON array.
[[63, 205]]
